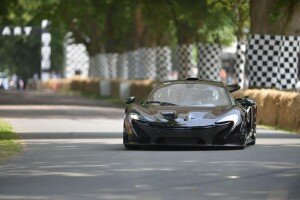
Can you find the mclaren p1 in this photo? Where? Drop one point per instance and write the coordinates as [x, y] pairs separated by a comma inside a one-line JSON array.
[[190, 112]]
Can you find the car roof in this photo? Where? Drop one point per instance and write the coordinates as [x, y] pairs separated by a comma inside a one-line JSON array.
[[208, 82]]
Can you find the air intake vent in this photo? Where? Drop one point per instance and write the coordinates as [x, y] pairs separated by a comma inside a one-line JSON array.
[[192, 79]]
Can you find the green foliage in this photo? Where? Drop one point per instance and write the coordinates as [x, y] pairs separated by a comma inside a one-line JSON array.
[[6, 131], [188, 18], [117, 26], [9, 144], [227, 20], [21, 55], [276, 11]]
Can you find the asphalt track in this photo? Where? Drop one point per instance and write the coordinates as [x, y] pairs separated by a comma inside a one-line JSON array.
[[73, 151]]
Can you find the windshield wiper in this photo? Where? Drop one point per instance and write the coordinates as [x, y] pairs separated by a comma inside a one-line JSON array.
[[162, 103]]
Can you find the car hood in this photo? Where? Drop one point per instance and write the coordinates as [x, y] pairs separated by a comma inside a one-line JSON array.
[[176, 116]]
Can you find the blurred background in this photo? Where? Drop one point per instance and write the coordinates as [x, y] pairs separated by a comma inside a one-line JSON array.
[[253, 43]]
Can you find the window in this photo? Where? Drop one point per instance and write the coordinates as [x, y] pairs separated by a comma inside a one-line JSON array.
[[191, 94]]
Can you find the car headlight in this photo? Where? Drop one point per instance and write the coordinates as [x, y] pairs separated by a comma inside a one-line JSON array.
[[137, 117], [234, 118]]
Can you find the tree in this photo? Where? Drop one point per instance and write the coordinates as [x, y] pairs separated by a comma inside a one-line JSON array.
[[28, 13], [19, 55], [275, 17]]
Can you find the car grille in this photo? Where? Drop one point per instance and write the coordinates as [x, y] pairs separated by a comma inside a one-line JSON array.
[[165, 140]]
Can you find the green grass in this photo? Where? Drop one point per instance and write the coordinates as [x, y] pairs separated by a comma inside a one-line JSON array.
[[9, 141]]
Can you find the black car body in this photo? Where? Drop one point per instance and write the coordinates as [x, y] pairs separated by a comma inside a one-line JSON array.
[[190, 113]]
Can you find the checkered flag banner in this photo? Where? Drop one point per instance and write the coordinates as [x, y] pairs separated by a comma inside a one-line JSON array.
[[209, 61], [147, 66], [92, 67], [76, 60], [287, 76], [239, 68], [112, 59], [163, 62], [272, 61], [102, 65], [122, 66], [185, 59], [133, 61]]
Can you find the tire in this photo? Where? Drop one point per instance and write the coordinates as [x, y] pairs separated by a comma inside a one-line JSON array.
[[132, 147], [253, 141], [243, 146], [125, 137], [243, 139]]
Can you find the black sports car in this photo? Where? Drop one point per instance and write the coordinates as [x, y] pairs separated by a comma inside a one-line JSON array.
[[190, 113]]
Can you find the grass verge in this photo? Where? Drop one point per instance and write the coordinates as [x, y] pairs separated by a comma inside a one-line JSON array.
[[10, 144]]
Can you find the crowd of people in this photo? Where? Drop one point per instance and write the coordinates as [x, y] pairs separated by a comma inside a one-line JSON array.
[[11, 82]]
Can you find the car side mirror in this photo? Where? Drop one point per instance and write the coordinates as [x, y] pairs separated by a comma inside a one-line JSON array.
[[245, 101], [249, 102], [129, 100], [233, 87]]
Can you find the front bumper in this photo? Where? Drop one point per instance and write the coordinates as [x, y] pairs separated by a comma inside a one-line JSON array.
[[217, 135]]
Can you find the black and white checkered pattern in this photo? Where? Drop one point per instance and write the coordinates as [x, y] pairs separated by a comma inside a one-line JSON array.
[[133, 60], [122, 66], [163, 63], [112, 59], [262, 59], [287, 75], [209, 61], [76, 59], [185, 59], [102, 65], [272, 61], [147, 66], [239, 68], [92, 68]]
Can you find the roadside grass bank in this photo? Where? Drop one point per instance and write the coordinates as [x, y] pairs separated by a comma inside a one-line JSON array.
[[10, 144], [280, 109]]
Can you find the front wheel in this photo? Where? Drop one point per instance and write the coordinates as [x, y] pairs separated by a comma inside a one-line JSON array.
[[253, 140], [243, 146], [243, 138]]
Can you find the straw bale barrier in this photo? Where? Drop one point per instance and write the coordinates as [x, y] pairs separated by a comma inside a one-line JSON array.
[[274, 108]]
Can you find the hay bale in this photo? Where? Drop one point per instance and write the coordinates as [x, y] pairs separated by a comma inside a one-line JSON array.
[[77, 84], [125, 89], [289, 111], [91, 86], [63, 84], [57, 84], [115, 88], [269, 111], [105, 88], [275, 108]]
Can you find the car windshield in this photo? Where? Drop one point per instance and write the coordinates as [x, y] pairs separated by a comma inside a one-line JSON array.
[[191, 94]]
